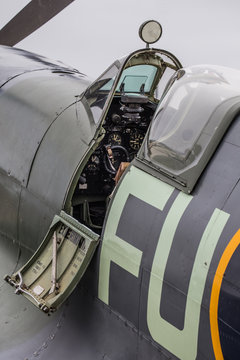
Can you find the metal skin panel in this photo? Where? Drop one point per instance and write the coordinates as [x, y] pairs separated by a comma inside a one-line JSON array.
[[17, 315], [34, 214], [14, 62], [60, 154], [29, 104], [10, 197]]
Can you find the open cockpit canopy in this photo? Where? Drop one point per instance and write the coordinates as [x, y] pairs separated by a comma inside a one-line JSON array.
[[198, 106]]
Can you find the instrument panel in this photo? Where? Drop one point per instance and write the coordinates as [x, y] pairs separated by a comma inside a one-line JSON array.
[[126, 124], [130, 138]]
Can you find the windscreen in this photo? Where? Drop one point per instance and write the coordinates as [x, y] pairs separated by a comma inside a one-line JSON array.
[[96, 96], [135, 79]]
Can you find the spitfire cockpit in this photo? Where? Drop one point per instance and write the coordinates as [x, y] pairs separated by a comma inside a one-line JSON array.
[[122, 102]]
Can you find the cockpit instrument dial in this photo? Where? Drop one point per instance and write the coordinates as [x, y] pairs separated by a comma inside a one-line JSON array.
[[115, 139], [116, 119], [136, 139], [93, 163]]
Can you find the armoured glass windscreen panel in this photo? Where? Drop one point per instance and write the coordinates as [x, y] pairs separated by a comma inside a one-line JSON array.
[[135, 79], [191, 120]]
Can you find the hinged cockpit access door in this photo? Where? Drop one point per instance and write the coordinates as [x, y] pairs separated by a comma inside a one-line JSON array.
[[55, 269]]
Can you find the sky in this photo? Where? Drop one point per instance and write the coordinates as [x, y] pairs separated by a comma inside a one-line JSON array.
[[90, 35]]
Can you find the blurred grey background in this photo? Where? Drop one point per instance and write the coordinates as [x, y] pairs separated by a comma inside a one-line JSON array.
[[90, 35]]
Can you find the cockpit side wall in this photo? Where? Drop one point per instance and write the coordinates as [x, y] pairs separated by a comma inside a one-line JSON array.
[[45, 131], [57, 160]]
